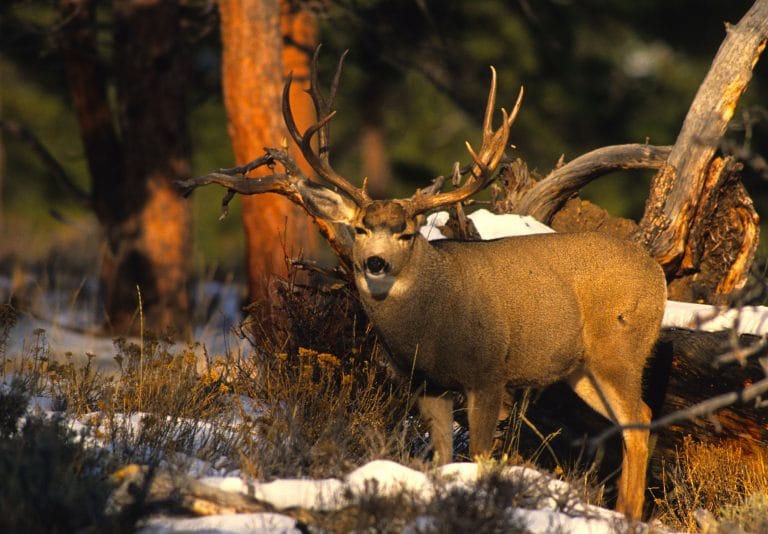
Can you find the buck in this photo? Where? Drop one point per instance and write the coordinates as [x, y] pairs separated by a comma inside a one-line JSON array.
[[479, 317]]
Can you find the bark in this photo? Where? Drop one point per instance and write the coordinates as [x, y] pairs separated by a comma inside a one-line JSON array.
[[254, 63], [722, 240], [145, 222], [546, 197], [685, 188], [554, 199]]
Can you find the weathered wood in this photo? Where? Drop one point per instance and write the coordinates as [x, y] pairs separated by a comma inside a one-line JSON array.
[[547, 196], [676, 191], [722, 241], [140, 488]]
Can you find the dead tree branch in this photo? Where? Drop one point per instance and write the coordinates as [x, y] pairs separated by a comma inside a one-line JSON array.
[[292, 184], [548, 195], [676, 189], [161, 491]]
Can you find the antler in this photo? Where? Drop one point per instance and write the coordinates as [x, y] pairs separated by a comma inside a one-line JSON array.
[[485, 161], [319, 160]]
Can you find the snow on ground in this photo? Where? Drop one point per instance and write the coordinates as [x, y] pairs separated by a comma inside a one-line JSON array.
[[703, 317], [265, 523], [556, 506], [70, 328], [390, 478]]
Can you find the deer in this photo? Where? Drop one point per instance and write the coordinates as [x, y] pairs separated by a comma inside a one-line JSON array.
[[479, 317]]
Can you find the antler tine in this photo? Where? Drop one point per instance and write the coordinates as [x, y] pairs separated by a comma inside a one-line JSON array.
[[488, 117], [319, 161], [485, 161], [322, 105]]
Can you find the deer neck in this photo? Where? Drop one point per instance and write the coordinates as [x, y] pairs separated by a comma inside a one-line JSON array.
[[404, 313]]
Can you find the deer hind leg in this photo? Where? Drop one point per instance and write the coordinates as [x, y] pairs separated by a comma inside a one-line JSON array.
[[437, 411], [483, 409], [623, 406]]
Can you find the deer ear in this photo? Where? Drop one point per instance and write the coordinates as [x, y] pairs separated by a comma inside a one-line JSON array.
[[327, 204]]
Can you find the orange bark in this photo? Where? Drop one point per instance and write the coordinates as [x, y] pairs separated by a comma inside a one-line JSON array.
[[255, 62]]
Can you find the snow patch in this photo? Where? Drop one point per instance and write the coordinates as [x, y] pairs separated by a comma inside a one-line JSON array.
[[489, 225], [261, 523], [706, 318]]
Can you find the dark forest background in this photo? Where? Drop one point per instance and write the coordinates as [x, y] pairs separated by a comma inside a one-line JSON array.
[[595, 73]]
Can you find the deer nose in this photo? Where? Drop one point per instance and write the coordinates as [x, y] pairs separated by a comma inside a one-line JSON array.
[[375, 264]]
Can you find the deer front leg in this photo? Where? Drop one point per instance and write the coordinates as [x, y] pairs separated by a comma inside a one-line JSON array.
[[483, 408], [437, 411]]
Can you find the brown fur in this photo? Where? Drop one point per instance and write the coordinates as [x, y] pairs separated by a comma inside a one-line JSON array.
[[476, 317]]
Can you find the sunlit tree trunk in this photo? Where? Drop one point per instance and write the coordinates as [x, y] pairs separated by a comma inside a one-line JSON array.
[[264, 40], [145, 222]]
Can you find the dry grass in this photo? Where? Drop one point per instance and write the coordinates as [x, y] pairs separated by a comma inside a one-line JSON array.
[[285, 410], [727, 480], [325, 402], [315, 398]]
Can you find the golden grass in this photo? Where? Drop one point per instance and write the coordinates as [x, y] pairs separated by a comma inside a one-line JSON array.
[[727, 480]]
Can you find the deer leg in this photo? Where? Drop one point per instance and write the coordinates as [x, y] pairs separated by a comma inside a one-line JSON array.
[[483, 408], [623, 408], [437, 411]]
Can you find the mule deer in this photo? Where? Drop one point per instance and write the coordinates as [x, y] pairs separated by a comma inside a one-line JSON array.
[[478, 317]]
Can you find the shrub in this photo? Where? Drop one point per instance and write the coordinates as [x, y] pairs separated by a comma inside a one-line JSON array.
[[50, 482], [325, 401], [724, 479]]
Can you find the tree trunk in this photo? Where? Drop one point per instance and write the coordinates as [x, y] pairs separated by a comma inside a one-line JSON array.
[[255, 61], [688, 195], [145, 222]]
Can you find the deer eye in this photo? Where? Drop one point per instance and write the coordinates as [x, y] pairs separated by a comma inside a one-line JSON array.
[[359, 230], [406, 237]]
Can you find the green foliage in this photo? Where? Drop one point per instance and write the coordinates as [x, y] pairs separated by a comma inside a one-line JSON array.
[[595, 72]]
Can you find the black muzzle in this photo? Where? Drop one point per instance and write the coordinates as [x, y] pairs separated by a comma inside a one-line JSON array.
[[376, 265]]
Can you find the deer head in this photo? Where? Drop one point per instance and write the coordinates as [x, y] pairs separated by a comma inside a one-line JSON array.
[[385, 231]]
